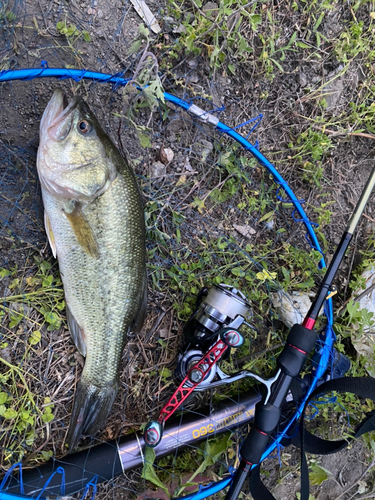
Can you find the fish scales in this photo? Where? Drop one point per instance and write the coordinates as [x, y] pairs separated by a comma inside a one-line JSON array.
[[95, 226], [102, 293]]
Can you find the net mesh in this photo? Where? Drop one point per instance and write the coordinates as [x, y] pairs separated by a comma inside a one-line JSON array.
[[213, 215]]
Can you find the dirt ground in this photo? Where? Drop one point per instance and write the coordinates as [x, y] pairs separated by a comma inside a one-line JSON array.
[[179, 226]]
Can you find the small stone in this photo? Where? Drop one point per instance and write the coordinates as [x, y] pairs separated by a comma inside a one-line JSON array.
[[302, 79], [175, 126], [189, 17], [157, 170], [179, 29], [211, 9], [192, 78], [246, 231], [100, 14], [166, 155], [203, 148], [192, 63], [187, 165], [291, 307]]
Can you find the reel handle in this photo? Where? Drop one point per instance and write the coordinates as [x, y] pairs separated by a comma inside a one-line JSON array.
[[228, 337]]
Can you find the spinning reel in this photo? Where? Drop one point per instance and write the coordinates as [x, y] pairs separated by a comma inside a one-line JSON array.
[[210, 331], [220, 307]]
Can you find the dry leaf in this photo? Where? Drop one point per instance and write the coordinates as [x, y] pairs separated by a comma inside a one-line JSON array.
[[181, 180]]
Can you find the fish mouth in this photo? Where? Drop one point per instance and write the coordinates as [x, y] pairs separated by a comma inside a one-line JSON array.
[[57, 118]]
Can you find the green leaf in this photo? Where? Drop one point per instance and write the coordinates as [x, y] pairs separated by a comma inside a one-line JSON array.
[[238, 271], [267, 216], [10, 414], [3, 397], [15, 320], [10, 15], [86, 36], [199, 203], [154, 91], [143, 31], [318, 22], [45, 266], [47, 281], [165, 373], [255, 19], [190, 41], [30, 438], [302, 45], [4, 272], [292, 40], [277, 64], [144, 139], [319, 474], [59, 25], [72, 30], [46, 455], [212, 451], [135, 46], [232, 68], [148, 471], [35, 337], [47, 415]]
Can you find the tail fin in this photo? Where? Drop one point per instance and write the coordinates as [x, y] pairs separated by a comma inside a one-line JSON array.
[[91, 407]]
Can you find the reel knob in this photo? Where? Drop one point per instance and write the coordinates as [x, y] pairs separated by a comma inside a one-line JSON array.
[[153, 433], [231, 337]]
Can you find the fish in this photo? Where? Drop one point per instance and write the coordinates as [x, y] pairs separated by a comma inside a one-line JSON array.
[[94, 220]]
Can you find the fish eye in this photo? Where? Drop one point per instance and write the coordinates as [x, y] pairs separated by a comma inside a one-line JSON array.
[[84, 127]]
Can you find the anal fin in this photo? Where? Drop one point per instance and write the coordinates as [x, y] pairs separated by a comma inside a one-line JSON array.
[[76, 332]]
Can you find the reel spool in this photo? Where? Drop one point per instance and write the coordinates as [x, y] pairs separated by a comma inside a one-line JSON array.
[[222, 306]]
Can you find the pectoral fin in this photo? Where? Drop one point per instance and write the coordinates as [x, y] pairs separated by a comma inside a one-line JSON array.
[[76, 332], [50, 236], [83, 231]]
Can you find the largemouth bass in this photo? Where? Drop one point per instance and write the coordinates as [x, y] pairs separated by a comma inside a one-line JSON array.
[[95, 226]]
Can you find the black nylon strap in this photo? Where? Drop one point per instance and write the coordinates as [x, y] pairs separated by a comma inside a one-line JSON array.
[[257, 488], [361, 386]]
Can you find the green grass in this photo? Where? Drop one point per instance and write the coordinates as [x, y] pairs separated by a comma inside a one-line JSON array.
[[36, 301]]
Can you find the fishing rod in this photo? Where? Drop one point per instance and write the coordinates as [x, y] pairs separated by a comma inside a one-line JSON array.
[[80, 470], [300, 342], [103, 462]]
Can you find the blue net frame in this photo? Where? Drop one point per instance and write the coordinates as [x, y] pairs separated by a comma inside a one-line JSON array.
[[322, 356]]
